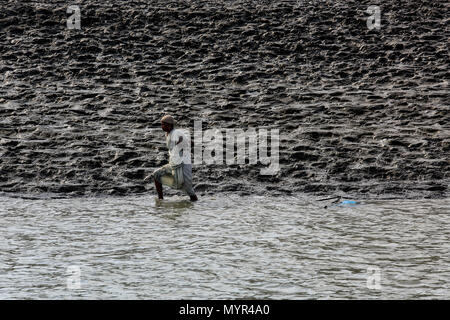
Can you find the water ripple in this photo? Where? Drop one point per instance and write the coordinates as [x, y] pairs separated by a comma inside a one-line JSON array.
[[249, 247]]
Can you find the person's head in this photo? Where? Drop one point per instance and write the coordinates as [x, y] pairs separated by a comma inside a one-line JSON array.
[[167, 123]]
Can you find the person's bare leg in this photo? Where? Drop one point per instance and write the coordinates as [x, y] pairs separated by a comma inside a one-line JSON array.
[[158, 186]]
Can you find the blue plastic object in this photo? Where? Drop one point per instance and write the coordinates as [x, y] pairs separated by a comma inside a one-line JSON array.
[[351, 202]]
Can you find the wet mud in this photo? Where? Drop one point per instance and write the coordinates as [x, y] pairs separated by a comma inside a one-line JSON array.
[[360, 112]]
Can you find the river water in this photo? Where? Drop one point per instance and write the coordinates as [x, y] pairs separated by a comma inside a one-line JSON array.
[[223, 247]]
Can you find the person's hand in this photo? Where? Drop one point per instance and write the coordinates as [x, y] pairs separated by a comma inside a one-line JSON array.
[[147, 178]]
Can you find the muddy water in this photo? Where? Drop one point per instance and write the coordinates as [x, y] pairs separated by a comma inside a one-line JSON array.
[[223, 247]]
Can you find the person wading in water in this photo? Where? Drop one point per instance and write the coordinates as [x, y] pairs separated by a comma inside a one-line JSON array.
[[177, 174]]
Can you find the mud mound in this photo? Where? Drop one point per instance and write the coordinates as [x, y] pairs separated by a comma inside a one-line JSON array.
[[359, 111]]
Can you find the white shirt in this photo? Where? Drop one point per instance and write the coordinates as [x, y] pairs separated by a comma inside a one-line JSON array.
[[178, 153]]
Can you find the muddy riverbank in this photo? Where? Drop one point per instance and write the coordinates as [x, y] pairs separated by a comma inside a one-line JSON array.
[[359, 111]]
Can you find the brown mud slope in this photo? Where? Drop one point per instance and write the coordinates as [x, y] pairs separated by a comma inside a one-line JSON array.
[[359, 111]]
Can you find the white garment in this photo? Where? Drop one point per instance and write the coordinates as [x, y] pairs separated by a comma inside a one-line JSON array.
[[178, 152]]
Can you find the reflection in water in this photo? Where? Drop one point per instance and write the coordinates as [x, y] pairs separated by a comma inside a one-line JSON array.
[[224, 247], [171, 203]]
